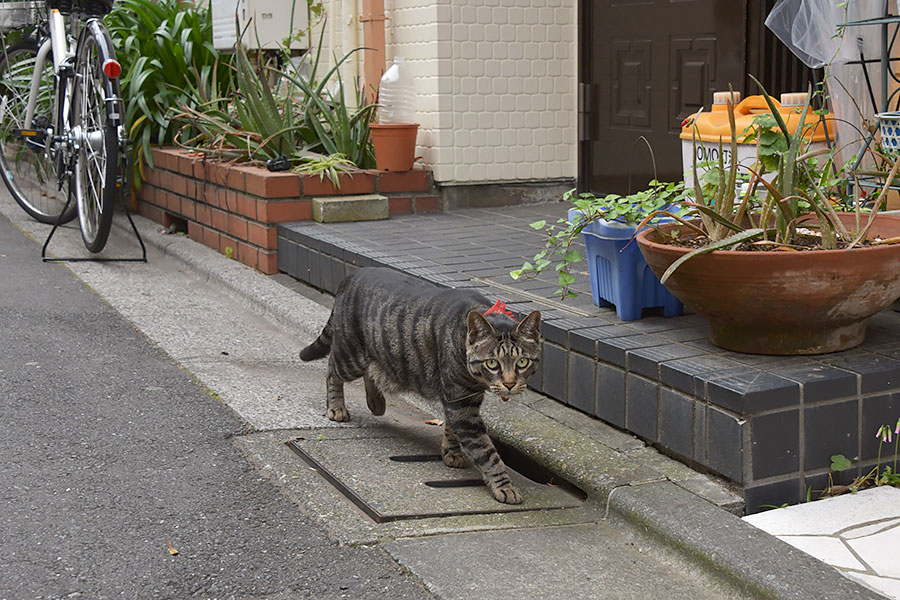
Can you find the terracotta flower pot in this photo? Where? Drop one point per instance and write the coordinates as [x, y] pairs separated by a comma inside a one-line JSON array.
[[804, 302], [395, 145]]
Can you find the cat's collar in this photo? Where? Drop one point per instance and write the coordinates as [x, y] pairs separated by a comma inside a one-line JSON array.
[[499, 308]]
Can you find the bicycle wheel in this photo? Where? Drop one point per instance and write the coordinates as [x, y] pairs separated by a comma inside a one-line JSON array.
[[95, 129], [28, 166]]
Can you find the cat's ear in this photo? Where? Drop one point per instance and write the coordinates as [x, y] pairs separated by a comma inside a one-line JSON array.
[[478, 326], [530, 327]]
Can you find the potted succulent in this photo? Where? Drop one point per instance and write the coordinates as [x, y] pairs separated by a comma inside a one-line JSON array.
[[619, 275], [795, 274]]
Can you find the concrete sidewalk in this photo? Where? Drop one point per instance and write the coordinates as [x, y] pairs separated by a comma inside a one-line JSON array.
[[650, 525]]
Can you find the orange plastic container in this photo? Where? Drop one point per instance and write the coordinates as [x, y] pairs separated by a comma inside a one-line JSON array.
[[711, 127]]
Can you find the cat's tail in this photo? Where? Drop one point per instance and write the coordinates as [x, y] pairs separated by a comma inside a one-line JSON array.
[[320, 347]]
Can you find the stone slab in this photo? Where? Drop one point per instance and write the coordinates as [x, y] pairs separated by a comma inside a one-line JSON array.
[[830, 515], [388, 489], [339, 209]]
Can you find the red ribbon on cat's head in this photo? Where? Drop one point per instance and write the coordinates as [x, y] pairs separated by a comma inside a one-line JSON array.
[[499, 308]]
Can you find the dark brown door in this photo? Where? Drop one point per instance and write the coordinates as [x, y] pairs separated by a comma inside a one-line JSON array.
[[645, 66]]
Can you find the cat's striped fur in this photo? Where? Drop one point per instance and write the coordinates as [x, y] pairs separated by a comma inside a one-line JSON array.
[[403, 334]]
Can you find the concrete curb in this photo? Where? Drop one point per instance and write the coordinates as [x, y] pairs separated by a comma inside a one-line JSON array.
[[716, 539]]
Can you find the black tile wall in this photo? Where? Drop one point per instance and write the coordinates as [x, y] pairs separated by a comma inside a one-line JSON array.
[[700, 440], [611, 394], [302, 268], [676, 422], [766, 496], [830, 429], [555, 371], [883, 409], [776, 443], [725, 439], [582, 382], [641, 406], [287, 255]]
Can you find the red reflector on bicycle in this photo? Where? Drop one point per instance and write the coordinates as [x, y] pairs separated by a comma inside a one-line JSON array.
[[112, 68]]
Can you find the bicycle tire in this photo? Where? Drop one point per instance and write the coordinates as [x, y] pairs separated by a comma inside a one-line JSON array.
[[30, 168], [95, 122]]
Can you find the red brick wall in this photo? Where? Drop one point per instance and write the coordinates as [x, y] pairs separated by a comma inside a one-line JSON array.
[[239, 206]]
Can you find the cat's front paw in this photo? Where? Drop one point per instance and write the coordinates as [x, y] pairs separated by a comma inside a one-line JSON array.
[[507, 494], [454, 459], [339, 414]]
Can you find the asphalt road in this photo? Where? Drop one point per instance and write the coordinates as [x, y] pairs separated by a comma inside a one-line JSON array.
[[111, 452]]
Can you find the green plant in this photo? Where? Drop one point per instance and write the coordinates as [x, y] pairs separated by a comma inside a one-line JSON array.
[[168, 59], [796, 192], [304, 121], [563, 235], [878, 476]]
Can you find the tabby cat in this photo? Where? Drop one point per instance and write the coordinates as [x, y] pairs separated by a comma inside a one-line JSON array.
[[402, 334]]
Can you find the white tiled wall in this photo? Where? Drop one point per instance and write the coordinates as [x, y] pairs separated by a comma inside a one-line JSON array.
[[496, 85]]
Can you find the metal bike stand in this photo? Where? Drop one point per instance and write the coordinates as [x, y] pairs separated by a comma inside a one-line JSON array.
[[134, 228]]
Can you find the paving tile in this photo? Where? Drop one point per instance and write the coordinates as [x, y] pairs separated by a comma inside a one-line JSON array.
[[820, 381], [648, 361], [827, 549], [867, 529], [681, 373], [613, 350], [555, 331], [830, 429], [831, 516], [888, 587], [776, 443], [877, 373], [753, 392]]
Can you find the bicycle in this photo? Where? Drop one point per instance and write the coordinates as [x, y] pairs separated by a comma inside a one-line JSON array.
[[61, 120]]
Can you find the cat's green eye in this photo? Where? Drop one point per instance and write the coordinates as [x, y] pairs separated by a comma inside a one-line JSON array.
[[492, 363], [523, 363]]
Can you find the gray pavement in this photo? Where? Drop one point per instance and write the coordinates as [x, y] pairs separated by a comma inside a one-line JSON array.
[[151, 443], [110, 452]]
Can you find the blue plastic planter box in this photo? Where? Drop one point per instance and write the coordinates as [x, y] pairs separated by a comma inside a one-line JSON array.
[[622, 277]]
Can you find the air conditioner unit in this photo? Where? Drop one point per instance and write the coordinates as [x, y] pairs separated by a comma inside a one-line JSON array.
[[269, 23]]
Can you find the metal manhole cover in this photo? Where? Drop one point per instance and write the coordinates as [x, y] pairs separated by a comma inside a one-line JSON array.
[[391, 478]]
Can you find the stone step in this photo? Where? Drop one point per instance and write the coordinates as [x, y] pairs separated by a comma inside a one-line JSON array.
[[336, 209]]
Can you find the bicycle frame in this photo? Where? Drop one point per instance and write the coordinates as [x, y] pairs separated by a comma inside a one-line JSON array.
[[62, 53]]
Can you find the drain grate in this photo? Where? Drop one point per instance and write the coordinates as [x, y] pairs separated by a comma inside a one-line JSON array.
[[391, 478]]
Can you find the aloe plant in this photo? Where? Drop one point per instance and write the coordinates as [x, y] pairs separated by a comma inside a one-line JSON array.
[[168, 59], [720, 217], [305, 120], [776, 222]]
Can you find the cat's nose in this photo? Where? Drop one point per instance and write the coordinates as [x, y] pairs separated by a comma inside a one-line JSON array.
[[508, 385]]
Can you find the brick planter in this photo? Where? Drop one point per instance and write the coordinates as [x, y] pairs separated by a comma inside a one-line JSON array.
[[235, 208]]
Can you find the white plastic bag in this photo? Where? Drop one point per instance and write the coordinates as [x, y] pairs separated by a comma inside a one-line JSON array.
[[810, 29]]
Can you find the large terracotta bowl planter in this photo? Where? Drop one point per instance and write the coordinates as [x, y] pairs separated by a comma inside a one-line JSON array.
[[804, 302]]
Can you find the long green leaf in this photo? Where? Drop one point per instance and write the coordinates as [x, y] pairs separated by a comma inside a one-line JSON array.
[[737, 238]]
